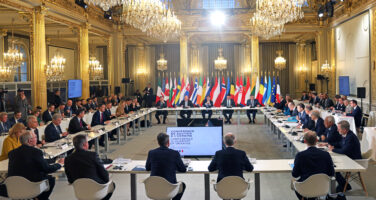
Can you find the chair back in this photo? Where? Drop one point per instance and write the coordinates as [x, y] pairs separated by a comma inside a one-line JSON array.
[[316, 185], [363, 162], [88, 189], [158, 188], [232, 187], [20, 188]]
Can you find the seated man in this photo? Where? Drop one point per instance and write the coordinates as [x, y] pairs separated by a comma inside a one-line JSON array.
[[281, 104], [304, 97], [4, 124], [164, 162], [340, 106], [47, 115], [107, 112], [207, 104], [331, 136], [348, 108], [315, 100], [161, 104], [60, 109], [135, 106], [229, 103], [328, 103], [302, 116], [77, 124], [85, 164], [308, 111], [77, 106], [252, 103], [186, 103], [100, 118], [16, 119], [356, 113], [32, 124], [311, 161], [28, 162], [349, 146], [230, 161], [316, 123], [68, 109], [292, 110], [53, 130]]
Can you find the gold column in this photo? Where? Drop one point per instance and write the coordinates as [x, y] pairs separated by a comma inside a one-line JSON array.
[[84, 60], [373, 53], [300, 72], [110, 64], [255, 55], [141, 67], [332, 62], [326, 52], [118, 49], [3, 34], [184, 55], [194, 60], [38, 77]]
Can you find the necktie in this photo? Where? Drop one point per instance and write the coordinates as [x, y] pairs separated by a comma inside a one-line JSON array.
[[2, 125], [101, 114], [58, 129], [80, 123]]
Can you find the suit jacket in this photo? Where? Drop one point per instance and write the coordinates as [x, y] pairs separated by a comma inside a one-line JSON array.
[[328, 103], [46, 116], [357, 114], [159, 105], [134, 108], [36, 132], [75, 126], [85, 164], [12, 121], [332, 136], [28, 162], [340, 107], [309, 123], [4, 128], [232, 102], [209, 105], [97, 118], [319, 127], [164, 162], [303, 117], [312, 161], [291, 113], [304, 97], [148, 92], [70, 113], [57, 100], [315, 100], [108, 114], [75, 109], [349, 146], [230, 162], [255, 103], [190, 104], [52, 133], [88, 107], [127, 109], [281, 105]]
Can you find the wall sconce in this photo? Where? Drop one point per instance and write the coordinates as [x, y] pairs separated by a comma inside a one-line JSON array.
[[141, 71], [248, 70], [302, 68], [195, 71]]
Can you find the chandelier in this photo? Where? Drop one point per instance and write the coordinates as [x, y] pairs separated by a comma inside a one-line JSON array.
[[220, 63], [105, 4], [326, 67], [95, 69], [13, 58], [280, 11], [265, 28], [280, 61], [169, 27], [5, 73], [162, 62], [55, 71]]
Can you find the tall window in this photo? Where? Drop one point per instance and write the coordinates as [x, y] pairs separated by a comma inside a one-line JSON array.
[[214, 4], [21, 73]]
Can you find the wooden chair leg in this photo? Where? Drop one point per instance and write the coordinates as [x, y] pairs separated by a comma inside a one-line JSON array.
[[362, 182], [347, 176]]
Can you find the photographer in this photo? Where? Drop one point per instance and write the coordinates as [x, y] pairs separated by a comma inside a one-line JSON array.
[[22, 104]]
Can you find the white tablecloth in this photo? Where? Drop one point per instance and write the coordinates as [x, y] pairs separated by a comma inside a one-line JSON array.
[[372, 119], [339, 118], [368, 142]]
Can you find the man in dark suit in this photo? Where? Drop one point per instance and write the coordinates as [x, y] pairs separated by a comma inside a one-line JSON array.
[[229, 103], [328, 103], [302, 116], [164, 162], [148, 95], [17, 118], [4, 124], [304, 97], [127, 107], [291, 111], [331, 136], [281, 105], [100, 118], [252, 103], [356, 113], [77, 124], [135, 106], [53, 130], [77, 105], [47, 115], [230, 161], [89, 105], [207, 104], [28, 162], [161, 104], [186, 103], [315, 99], [349, 146], [311, 161], [68, 110], [32, 124], [85, 164], [107, 111], [307, 124], [316, 123], [340, 106]]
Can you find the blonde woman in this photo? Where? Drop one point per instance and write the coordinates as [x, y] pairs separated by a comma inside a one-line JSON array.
[[121, 113], [12, 141]]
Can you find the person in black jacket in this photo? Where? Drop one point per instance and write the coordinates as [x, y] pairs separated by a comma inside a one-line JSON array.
[[57, 98], [32, 124], [53, 130], [307, 123], [135, 106], [17, 118], [186, 103], [77, 105], [28, 162], [356, 113], [316, 123], [100, 118], [77, 124], [340, 106], [281, 104], [47, 115], [164, 162], [68, 109], [229, 103], [207, 104], [161, 104], [331, 136], [252, 103], [148, 95], [230, 161], [85, 164], [311, 161]]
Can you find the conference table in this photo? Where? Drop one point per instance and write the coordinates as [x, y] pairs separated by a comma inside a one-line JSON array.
[[368, 143]]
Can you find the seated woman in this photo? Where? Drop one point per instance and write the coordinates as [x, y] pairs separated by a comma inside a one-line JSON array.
[[12, 140], [36, 113], [120, 112]]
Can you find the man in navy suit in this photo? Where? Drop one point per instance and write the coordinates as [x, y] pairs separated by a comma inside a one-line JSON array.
[[316, 123], [252, 103], [77, 124], [349, 146], [16, 119], [230, 161], [100, 118], [47, 115], [340, 106], [229, 103], [331, 136], [311, 161], [315, 99], [53, 130], [307, 123], [356, 113], [164, 162], [161, 104], [68, 110], [32, 124], [4, 124], [186, 103], [291, 111], [302, 116], [207, 104]]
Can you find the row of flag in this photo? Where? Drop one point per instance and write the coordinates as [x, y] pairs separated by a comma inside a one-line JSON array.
[[173, 91]]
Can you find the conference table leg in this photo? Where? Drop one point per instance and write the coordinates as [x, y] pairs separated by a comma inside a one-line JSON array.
[[176, 117], [238, 117], [125, 131], [207, 186], [118, 135], [133, 187], [257, 187], [146, 121], [96, 141], [139, 124], [106, 142], [133, 126]]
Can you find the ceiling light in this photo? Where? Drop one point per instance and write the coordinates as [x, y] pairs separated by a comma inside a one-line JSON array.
[[321, 11], [218, 18]]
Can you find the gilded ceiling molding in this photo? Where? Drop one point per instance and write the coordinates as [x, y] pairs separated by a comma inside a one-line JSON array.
[[16, 6]]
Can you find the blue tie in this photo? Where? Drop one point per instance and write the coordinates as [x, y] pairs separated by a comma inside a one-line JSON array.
[[343, 141]]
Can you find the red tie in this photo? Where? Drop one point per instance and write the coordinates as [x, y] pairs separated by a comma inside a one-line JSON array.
[[81, 122], [101, 117]]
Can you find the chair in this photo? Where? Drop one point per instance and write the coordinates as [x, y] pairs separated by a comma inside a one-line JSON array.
[[358, 176], [232, 187], [314, 186], [158, 188], [20, 188], [88, 189]]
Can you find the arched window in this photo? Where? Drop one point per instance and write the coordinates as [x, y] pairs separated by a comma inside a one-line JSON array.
[[21, 73]]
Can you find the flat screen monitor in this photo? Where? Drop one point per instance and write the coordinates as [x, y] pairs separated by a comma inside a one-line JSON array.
[[196, 141], [74, 88]]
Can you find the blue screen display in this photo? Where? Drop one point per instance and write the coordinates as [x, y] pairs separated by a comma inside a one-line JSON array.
[[74, 88], [344, 85]]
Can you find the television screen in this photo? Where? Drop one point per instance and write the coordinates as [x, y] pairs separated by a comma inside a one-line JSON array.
[[344, 85], [195, 141], [74, 88]]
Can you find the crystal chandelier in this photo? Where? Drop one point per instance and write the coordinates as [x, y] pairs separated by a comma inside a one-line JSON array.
[[13, 58], [5, 73], [220, 63], [169, 27], [162, 62], [280, 61], [55, 71], [265, 28], [105, 4], [95, 69], [326, 67], [280, 11]]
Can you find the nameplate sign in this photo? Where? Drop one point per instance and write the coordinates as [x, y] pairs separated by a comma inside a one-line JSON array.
[[64, 146], [100, 131]]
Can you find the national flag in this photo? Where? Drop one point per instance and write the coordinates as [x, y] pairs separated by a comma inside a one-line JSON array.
[[182, 93], [257, 88], [174, 93], [222, 94], [199, 93], [246, 93], [264, 98], [278, 92], [237, 91], [215, 90], [232, 91], [269, 93], [208, 90], [260, 94], [253, 87], [187, 89], [240, 96], [159, 91], [194, 93], [204, 87], [178, 91], [274, 91], [167, 91], [169, 102], [228, 88], [191, 88]]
